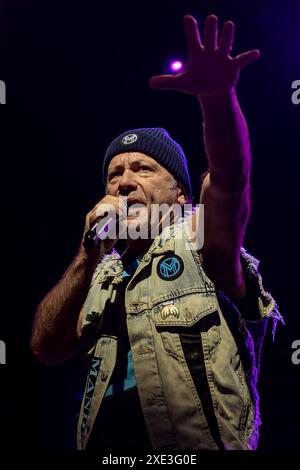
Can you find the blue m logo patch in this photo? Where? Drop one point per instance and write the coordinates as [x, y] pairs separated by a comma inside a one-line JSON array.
[[170, 267]]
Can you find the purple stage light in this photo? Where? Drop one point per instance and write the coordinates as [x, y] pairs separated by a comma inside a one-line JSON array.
[[176, 65]]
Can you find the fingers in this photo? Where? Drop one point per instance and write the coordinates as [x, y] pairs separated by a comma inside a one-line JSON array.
[[211, 33], [104, 219], [246, 58], [107, 205], [226, 39], [104, 209], [193, 39], [111, 205]]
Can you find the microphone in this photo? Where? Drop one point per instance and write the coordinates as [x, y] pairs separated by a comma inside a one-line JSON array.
[[97, 233]]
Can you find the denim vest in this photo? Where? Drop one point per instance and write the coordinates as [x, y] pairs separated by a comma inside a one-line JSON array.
[[196, 359]]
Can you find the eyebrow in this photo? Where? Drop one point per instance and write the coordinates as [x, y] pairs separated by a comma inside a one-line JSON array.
[[119, 166]]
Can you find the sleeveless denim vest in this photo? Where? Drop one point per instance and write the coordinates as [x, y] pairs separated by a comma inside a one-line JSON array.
[[196, 359]]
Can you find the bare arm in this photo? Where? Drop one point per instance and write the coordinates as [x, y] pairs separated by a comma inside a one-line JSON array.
[[211, 74], [225, 191], [54, 335], [55, 329], [226, 141]]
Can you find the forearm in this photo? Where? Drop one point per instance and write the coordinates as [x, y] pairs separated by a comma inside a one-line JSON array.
[[54, 334], [226, 141]]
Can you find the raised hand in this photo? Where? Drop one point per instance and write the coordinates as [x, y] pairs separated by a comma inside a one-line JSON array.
[[210, 69]]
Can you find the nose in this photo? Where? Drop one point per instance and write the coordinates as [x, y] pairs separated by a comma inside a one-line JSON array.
[[127, 182]]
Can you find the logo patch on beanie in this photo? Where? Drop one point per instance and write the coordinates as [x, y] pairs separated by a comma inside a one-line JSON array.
[[129, 139]]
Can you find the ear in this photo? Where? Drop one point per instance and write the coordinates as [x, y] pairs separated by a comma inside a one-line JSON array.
[[182, 196]]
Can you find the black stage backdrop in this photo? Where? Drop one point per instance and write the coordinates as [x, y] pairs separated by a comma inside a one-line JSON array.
[[76, 75]]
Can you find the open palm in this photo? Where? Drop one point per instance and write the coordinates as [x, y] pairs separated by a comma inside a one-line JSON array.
[[210, 69]]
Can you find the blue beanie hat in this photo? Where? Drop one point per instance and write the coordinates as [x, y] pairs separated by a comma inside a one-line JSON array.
[[156, 143]]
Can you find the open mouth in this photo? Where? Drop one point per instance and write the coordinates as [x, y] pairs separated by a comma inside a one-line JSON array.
[[131, 202], [136, 209]]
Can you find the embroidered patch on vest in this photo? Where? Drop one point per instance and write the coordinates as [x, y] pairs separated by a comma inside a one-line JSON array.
[[170, 267], [89, 392]]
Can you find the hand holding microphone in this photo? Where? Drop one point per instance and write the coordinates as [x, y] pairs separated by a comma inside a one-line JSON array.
[[102, 223], [98, 232]]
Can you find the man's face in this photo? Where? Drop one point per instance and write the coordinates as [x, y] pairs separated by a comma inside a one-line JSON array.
[[143, 181]]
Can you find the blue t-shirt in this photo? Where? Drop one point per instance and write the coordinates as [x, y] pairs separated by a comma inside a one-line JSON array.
[[124, 377]]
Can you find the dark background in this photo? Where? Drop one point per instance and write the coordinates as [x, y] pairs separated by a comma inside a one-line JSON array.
[[77, 75]]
